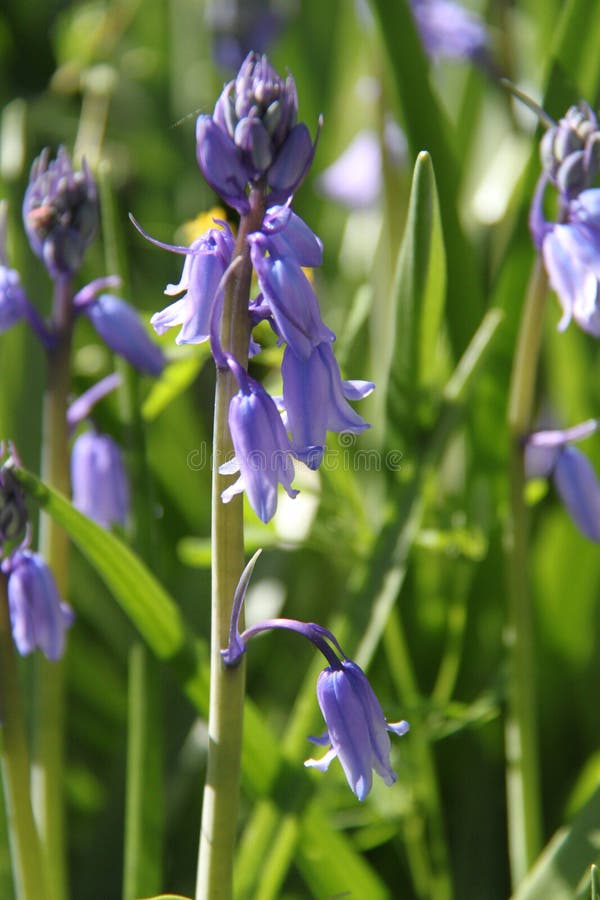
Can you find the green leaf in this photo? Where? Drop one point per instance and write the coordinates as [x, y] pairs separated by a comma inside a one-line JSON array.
[[427, 128], [563, 869], [419, 287]]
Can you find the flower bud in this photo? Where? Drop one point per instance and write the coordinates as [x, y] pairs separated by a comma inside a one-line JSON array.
[[60, 213]]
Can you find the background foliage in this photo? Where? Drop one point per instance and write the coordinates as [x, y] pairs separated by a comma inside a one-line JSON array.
[[401, 549]]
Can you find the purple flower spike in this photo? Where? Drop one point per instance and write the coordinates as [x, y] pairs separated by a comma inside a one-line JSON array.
[[263, 453], [203, 270], [315, 400], [100, 487], [60, 213], [578, 486], [356, 728], [38, 616], [121, 329], [291, 299]]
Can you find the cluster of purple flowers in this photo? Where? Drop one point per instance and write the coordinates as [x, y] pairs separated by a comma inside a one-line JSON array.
[[253, 145], [60, 217], [570, 248]]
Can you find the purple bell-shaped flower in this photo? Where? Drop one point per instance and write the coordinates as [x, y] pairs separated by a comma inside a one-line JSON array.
[[38, 616]]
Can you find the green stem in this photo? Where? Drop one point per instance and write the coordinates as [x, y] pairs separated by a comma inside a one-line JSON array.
[[48, 747], [522, 776], [14, 756], [221, 791]]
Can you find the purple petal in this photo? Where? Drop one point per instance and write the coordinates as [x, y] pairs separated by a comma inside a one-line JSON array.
[[288, 235], [38, 616], [100, 487], [292, 163], [578, 486], [220, 164], [262, 450], [292, 302], [121, 329], [343, 712]]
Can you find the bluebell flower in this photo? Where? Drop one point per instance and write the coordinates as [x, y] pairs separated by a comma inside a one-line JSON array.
[[263, 453], [98, 479], [290, 298], [60, 212], [204, 267], [38, 616], [571, 253], [357, 730], [315, 401], [449, 31], [253, 135], [121, 329], [548, 453]]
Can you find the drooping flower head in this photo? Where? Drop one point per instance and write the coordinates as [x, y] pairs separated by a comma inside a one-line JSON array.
[[357, 730], [38, 616], [99, 482], [570, 150], [263, 453], [253, 136], [550, 454], [60, 212]]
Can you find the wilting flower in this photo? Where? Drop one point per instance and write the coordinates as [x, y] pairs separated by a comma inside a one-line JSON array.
[[357, 730], [204, 267], [263, 453], [99, 482], [60, 212], [253, 134], [38, 616], [548, 453], [356, 727], [121, 329], [450, 31], [315, 400]]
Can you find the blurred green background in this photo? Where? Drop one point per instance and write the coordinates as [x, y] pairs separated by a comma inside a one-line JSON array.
[[404, 553]]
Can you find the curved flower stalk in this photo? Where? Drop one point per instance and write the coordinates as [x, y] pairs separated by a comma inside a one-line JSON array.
[[357, 730], [550, 454], [252, 150]]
